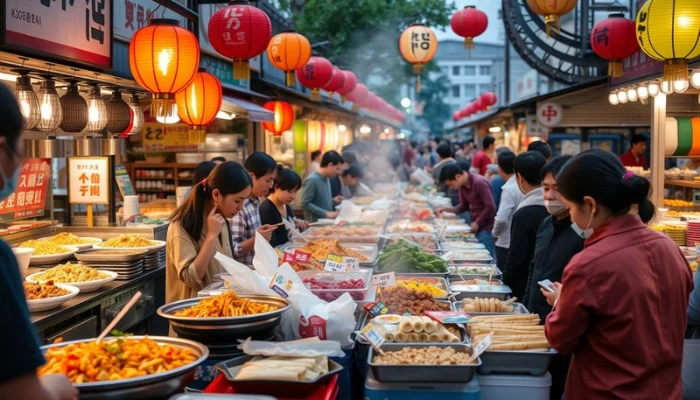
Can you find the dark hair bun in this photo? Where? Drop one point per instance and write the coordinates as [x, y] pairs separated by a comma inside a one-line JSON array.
[[637, 190]]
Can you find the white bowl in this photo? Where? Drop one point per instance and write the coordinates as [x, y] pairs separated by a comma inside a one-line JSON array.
[[84, 287], [52, 258], [23, 256], [92, 241], [53, 302], [159, 244]]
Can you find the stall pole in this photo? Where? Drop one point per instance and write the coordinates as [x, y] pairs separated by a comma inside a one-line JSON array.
[[658, 147], [89, 216]]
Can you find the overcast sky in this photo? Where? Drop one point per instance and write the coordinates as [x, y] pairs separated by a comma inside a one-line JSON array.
[[490, 7]]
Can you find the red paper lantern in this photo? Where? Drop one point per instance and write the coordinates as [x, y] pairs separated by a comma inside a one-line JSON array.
[[469, 23], [358, 95], [315, 75], [350, 83], [284, 117], [337, 81], [489, 99], [615, 39], [240, 31]]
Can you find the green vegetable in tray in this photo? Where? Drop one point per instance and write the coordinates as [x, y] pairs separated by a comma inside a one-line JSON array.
[[406, 257]]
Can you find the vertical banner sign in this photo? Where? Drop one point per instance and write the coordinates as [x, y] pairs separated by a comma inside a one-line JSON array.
[[29, 200], [88, 180], [76, 30]]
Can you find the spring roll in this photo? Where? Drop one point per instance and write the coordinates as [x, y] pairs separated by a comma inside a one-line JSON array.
[[406, 325], [401, 337], [413, 337], [444, 335], [389, 337], [418, 324], [423, 337], [429, 325], [434, 338]]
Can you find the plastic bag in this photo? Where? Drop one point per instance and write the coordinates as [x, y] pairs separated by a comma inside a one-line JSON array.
[[265, 260], [422, 177], [311, 347], [243, 279], [349, 212]]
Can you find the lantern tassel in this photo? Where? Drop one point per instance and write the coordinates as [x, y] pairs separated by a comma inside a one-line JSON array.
[[342, 98], [469, 43], [241, 71], [315, 94], [676, 69], [418, 84], [291, 78], [197, 134], [615, 68], [552, 22]]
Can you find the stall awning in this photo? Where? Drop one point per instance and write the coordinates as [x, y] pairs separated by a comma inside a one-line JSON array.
[[242, 107]]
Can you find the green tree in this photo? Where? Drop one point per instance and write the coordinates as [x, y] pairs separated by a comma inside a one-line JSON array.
[[435, 111], [363, 36]]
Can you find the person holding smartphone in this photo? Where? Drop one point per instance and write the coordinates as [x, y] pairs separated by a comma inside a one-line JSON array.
[[199, 229], [276, 209]]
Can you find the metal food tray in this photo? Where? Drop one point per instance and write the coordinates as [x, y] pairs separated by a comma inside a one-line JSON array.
[[303, 389], [518, 308], [441, 282], [499, 292], [93, 255], [144, 387], [453, 275], [460, 327], [369, 250], [423, 373], [407, 236], [535, 363]]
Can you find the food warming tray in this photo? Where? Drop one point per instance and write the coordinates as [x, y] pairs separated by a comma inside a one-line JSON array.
[[422, 373], [535, 363], [368, 250], [102, 256], [474, 275], [440, 282], [518, 308], [499, 292]]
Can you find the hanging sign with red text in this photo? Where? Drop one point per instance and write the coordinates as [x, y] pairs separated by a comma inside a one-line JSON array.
[[88, 180], [29, 200]]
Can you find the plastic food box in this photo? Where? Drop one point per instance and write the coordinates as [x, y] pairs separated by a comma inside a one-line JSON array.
[[335, 286], [522, 387]]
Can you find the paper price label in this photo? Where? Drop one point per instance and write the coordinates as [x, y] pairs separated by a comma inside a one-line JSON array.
[[376, 309], [384, 280], [372, 335], [447, 256], [302, 256], [334, 263], [351, 263], [288, 257], [482, 346]]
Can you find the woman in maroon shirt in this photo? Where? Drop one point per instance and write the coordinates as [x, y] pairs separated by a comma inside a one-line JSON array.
[[621, 308]]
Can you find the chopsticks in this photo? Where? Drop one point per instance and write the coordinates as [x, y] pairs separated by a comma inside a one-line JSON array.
[[119, 316]]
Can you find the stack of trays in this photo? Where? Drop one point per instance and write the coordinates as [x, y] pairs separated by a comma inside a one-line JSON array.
[[154, 260], [126, 263], [693, 232], [676, 231]]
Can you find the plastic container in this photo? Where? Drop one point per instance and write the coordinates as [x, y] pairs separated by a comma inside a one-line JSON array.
[[326, 392], [350, 282], [375, 390], [23, 256], [521, 387]]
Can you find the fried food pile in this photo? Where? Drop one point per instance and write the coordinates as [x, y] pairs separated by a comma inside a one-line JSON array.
[[320, 249], [401, 301]]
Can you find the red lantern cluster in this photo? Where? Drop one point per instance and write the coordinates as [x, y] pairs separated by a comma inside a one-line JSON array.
[[615, 39], [482, 103]]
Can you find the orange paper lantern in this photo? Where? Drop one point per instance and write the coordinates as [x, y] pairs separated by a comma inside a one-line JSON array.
[[163, 58], [199, 103], [552, 11], [284, 117], [289, 51], [418, 45]]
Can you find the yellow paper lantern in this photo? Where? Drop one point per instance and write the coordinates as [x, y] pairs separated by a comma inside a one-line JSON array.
[[552, 11], [418, 46], [668, 30]]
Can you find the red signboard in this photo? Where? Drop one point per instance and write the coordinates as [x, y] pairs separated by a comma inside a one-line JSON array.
[[29, 200]]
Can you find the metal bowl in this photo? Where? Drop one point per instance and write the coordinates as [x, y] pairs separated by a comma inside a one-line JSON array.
[[223, 334], [167, 311], [144, 387]]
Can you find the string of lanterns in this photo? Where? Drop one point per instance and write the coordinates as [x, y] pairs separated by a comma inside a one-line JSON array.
[[482, 103]]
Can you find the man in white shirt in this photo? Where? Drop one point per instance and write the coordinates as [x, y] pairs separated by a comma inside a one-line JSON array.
[[510, 198]]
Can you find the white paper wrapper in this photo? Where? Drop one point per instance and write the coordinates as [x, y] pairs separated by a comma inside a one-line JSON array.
[[311, 347]]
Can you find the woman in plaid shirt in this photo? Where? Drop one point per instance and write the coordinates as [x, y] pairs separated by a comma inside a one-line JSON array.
[[262, 170]]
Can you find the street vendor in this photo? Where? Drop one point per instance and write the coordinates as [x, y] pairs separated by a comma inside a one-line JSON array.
[[199, 229], [263, 170], [19, 345], [474, 196], [316, 198]]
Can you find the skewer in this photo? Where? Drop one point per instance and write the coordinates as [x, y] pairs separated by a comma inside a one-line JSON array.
[[119, 316]]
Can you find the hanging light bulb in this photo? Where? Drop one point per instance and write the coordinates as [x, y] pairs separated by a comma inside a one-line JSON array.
[[74, 108], [137, 119], [612, 98], [653, 89], [97, 110], [632, 95], [681, 85], [695, 79], [170, 116], [622, 97], [642, 92], [50, 110], [666, 87], [28, 102]]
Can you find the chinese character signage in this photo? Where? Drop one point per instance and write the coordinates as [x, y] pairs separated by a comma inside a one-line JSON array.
[[205, 13], [549, 114], [29, 200], [132, 15], [77, 30], [89, 180], [162, 137]]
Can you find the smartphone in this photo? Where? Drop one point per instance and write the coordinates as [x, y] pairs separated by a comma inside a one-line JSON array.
[[547, 285]]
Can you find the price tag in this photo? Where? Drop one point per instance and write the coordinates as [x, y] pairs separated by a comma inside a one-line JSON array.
[[288, 257], [481, 347], [377, 309], [449, 317], [334, 263], [302, 257], [351, 263], [372, 336], [384, 280], [447, 256]]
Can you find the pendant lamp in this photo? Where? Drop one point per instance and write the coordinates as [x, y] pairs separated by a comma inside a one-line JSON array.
[[97, 110], [28, 101], [50, 111], [75, 109]]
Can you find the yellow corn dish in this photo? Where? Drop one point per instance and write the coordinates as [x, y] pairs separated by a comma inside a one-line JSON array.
[[127, 241], [114, 359], [70, 273], [44, 248], [67, 239]]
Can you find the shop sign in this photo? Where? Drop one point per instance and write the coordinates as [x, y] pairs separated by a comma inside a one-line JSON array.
[[166, 137], [89, 180], [126, 188], [29, 200], [534, 129], [549, 114], [527, 85], [223, 70], [79, 31], [132, 15]]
